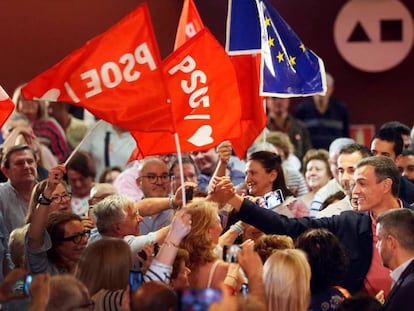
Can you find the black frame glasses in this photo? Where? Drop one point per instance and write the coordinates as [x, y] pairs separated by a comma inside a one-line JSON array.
[[61, 198], [77, 238], [152, 178]]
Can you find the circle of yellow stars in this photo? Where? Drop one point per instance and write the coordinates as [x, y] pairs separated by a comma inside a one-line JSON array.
[[280, 55]]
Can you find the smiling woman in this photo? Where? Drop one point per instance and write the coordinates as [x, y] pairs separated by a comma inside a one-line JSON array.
[[60, 199], [264, 174], [55, 239]]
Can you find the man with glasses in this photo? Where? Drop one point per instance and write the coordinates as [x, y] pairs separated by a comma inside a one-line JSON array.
[[154, 181], [376, 187]]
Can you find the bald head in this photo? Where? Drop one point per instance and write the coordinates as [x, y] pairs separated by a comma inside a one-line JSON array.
[[154, 178]]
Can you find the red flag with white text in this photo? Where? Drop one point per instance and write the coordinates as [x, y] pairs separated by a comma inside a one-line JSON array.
[[200, 76], [190, 23], [6, 106], [116, 76]]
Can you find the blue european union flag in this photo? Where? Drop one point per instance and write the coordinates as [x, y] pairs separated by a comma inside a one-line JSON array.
[[289, 68]]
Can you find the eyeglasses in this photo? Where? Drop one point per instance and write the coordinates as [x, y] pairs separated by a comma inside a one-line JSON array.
[[152, 178], [77, 238], [61, 198]]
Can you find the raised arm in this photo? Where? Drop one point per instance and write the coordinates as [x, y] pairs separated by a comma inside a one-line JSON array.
[[152, 206], [161, 267], [224, 153], [40, 214], [252, 265]]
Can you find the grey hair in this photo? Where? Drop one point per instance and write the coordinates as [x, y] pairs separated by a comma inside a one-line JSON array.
[[113, 209]]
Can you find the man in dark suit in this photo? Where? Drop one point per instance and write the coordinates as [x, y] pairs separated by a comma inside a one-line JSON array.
[[395, 232], [375, 191]]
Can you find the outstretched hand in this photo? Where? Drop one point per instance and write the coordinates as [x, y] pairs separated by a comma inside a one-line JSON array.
[[224, 151], [222, 191], [180, 225]]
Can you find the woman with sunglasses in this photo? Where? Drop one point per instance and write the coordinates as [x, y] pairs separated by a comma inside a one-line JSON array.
[[55, 239]]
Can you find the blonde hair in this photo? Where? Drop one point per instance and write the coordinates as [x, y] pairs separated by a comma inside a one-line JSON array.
[[286, 277], [197, 243], [16, 246], [281, 140], [267, 244], [105, 264]]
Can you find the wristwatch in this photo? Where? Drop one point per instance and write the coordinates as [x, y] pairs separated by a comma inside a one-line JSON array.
[[44, 200]]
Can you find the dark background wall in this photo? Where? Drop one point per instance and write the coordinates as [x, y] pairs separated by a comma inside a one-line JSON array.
[[34, 35]]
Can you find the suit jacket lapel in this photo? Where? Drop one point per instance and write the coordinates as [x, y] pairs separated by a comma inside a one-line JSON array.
[[406, 272]]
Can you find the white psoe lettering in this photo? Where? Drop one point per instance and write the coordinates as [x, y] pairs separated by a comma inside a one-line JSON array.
[[192, 86], [111, 74]]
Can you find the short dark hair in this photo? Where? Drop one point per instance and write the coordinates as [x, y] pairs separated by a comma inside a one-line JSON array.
[[184, 160], [54, 226], [271, 161], [352, 148], [407, 152], [391, 135], [401, 128], [384, 168], [326, 255], [82, 163], [5, 161], [399, 222]]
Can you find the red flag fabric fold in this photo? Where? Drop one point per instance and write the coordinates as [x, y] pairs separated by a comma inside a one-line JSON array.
[[116, 76], [190, 23], [201, 79], [253, 118]]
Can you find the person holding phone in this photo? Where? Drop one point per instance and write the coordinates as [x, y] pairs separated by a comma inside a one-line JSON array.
[[264, 175]]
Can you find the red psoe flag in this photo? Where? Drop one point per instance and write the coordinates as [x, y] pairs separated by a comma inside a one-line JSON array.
[[6, 106], [190, 23], [201, 79], [116, 76]]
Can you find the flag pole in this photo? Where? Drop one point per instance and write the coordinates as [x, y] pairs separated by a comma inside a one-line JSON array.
[[180, 166], [81, 142]]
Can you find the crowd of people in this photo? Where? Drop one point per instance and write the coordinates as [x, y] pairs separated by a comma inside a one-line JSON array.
[[308, 220]]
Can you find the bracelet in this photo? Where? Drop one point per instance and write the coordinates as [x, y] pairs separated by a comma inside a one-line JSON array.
[[43, 200], [171, 202], [238, 228], [170, 244]]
